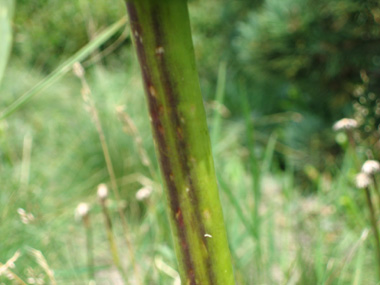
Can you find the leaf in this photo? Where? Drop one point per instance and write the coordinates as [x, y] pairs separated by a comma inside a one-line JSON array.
[[6, 12]]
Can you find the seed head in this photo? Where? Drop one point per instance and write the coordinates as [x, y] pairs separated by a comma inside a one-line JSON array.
[[143, 193], [345, 124], [25, 217], [363, 180], [102, 191], [10, 263], [82, 210], [78, 69], [371, 167]]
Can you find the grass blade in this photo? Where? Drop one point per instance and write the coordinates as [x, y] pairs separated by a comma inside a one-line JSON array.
[[221, 84], [6, 12], [64, 67]]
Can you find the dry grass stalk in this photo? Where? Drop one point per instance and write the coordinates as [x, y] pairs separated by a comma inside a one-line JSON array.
[[82, 213], [129, 127], [91, 108], [5, 269], [41, 260], [103, 195]]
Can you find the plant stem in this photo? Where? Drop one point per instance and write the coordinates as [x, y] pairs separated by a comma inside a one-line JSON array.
[[221, 84], [112, 241], [65, 67], [374, 225], [89, 246], [130, 125], [88, 100], [255, 172], [352, 148], [162, 37], [376, 186]]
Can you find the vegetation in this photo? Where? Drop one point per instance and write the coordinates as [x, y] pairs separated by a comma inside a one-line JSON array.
[[163, 42], [275, 76]]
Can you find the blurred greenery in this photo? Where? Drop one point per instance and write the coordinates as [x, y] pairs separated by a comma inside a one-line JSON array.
[[300, 64], [319, 60], [6, 12]]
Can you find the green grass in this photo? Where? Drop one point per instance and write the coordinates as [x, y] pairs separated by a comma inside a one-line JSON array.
[[51, 160]]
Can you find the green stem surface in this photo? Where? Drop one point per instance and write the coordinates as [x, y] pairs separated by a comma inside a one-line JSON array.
[[162, 37]]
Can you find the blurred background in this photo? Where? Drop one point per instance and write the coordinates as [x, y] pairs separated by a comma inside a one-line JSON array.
[[275, 76]]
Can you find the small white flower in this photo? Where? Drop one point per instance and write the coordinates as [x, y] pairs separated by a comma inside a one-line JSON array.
[[371, 167], [345, 124], [82, 210], [363, 180], [102, 191], [143, 193]]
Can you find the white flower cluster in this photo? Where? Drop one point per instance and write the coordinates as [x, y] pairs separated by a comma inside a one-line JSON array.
[[81, 211], [143, 193], [371, 167], [102, 191], [25, 217], [345, 124], [363, 180]]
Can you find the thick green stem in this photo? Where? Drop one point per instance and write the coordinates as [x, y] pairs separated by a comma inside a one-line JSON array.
[[162, 37]]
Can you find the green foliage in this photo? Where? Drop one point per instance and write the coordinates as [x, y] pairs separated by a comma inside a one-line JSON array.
[[303, 238], [310, 57], [319, 53], [49, 31], [313, 226], [61, 70]]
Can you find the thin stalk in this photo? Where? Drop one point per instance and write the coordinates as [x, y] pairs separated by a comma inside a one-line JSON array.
[[162, 37], [255, 172], [90, 104], [6, 15], [357, 280], [130, 127], [26, 160], [352, 148], [42, 262], [16, 278], [237, 206], [6, 268], [374, 225], [65, 67], [108, 50], [268, 154], [89, 247], [377, 191], [217, 120], [111, 239], [338, 273]]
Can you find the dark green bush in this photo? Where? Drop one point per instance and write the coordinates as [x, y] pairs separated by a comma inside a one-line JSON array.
[[317, 47], [48, 31]]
